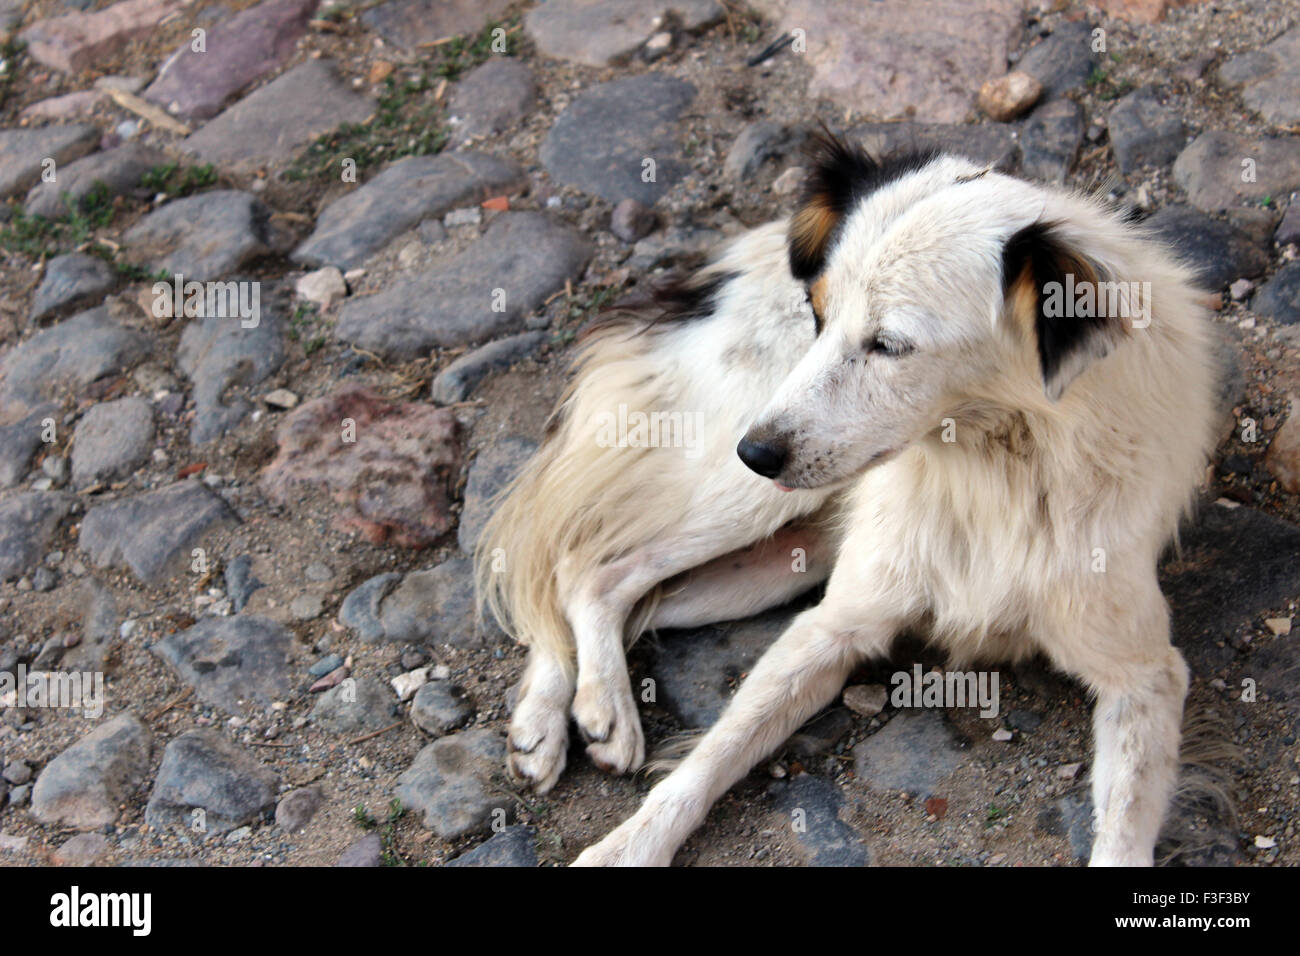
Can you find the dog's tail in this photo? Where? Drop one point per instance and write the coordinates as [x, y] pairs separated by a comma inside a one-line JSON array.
[[583, 500]]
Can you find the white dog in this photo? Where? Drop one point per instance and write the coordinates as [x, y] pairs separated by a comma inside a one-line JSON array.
[[978, 405]]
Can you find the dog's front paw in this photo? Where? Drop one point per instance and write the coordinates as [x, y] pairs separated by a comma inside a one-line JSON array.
[[627, 845], [607, 716], [538, 742]]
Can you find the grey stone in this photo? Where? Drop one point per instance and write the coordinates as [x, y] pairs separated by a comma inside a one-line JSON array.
[[368, 851], [601, 143], [1070, 817], [202, 237], [69, 355], [24, 152], [825, 838], [696, 671], [410, 23], [87, 783], [1049, 140], [240, 581], [356, 706], [239, 50], [1144, 132], [410, 190], [431, 606], [219, 354], [1288, 230], [117, 170], [495, 466], [992, 144], [1232, 565], [631, 220], [231, 661], [1063, 61], [439, 707], [202, 770], [267, 127], [153, 533], [84, 849], [1217, 251], [1270, 79], [458, 380], [913, 752], [521, 259], [112, 440], [450, 783], [608, 32], [758, 142], [512, 846], [1212, 167], [1279, 297], [492, 97], [19, 443], [28, 521], [674, 244], [70, 280], [820, 735], [18, 772]]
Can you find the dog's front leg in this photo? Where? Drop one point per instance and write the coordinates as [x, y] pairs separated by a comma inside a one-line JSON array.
[[799, 674], [1140, 680]]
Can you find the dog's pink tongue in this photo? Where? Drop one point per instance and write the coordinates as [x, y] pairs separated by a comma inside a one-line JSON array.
[[781, 487]]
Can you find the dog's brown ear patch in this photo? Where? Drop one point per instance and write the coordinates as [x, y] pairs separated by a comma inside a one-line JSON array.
[[842, 175], [1040, 271]]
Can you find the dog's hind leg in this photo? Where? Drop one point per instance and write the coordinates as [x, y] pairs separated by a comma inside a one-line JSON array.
[[1140, 681], [763, 575]]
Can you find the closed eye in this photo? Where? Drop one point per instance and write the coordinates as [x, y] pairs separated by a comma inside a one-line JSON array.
[[889, 346]]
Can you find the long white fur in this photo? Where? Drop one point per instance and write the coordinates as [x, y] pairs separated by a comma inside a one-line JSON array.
[[990, 540]]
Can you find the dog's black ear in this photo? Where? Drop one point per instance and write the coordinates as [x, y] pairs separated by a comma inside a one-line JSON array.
[[837, 170], [1060, 298]]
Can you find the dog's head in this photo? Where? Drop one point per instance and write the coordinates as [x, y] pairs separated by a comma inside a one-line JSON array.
[[929, 280]]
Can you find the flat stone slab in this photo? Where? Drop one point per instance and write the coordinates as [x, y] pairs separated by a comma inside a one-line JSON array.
[[118, 170], [481, 293], [24, 152], [238, 51], [232, 661], [410, 190], [208, 785], [28, 521], [1218, 251], [1144, 131], [76, 41], [1049, 140], [494, 467], [434, 606], [1212, 167], [67, 356], [619, 140], [153, 533], [608, 32], [112, 440], [512, 846], [1234, 564], [811, 808], [270, 125], [491, 98], [355, 706], [914, 752], [410, 23], [990, 143], [84, 786], [450, 783], [900, 59], [391, 468], [202, 237], [1269, 79], [71, 280], [219, 354], [696, 671]]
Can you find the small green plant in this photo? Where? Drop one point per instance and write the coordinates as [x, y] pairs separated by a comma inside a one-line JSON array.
[[174, 181], [10, 52], [41, 237], [387, 831], [995, 815]]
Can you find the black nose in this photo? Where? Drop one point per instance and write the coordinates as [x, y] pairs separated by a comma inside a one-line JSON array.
[[766, 458]]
